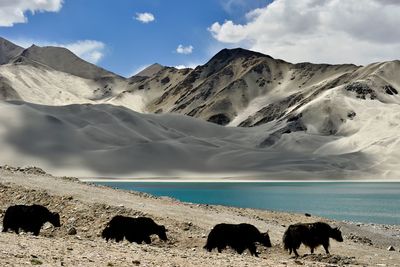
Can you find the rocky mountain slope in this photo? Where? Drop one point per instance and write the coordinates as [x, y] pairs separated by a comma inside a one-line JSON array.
[[8, 51], [243, 88], [296, 120], [53, 76]]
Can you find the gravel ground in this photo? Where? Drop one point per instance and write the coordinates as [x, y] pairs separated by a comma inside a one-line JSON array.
[[87, 208]]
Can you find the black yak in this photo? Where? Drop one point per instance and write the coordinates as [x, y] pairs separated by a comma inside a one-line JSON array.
[[133, 229], [238, 236], [311, 235], [29, 218]]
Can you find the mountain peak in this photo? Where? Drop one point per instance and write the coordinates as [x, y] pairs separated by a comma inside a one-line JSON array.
[[230, 54], [62, 59], [8, 51], [150, 70]]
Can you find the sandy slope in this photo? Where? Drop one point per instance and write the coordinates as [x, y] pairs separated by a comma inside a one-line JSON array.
[[88, 208], [105, 140]]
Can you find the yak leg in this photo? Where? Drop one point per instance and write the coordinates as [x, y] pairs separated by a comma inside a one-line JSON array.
[[36, 232], [240, 249], [295, 252], [119, 238], [5, 227], [312, 250], [326, 249], [326, 246], [253, 250]]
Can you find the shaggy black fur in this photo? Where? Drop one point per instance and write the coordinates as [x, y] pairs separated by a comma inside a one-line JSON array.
[[311, 235], [238, 236], [29, 218], [133, 229]]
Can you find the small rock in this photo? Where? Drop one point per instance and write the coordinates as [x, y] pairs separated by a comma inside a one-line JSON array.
[[72, 231], [307, 214], [35, 261], [46, 226], [391, 248], [71, 220]]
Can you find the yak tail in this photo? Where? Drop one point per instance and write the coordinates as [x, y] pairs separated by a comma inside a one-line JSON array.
[[287, 240]]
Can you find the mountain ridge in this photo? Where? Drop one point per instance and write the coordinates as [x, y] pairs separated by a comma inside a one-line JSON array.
[[241, 112], [8, 50]]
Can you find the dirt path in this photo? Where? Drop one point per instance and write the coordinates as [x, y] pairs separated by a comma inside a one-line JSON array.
[[88, 208]]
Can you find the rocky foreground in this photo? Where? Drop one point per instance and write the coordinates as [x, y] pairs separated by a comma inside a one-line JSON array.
[[85, 209]]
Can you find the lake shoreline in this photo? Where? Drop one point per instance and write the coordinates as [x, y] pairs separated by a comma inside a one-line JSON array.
[[353, 201], [227, 180]]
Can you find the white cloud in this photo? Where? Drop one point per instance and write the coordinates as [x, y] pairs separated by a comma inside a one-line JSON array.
[[89, 50], [14, 11], [333, 31], [186, 50], [190, 65], [145, 17], [180, 67], [229, 5]]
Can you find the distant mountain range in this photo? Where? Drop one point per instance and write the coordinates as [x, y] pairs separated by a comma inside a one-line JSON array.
[[313, 120]]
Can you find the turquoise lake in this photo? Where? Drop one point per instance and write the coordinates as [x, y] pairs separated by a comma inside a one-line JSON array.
[[358, 201]]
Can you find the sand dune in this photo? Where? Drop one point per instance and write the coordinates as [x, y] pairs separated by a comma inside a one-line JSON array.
[[106, 140]]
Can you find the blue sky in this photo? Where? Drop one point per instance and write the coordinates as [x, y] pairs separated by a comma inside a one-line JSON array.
[[128, 43], [107, 32]]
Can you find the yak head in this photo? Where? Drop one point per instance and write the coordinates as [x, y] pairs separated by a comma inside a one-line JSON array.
[[265, 240], [162, 233], [336, 234], [55, 219], [106, 234]]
